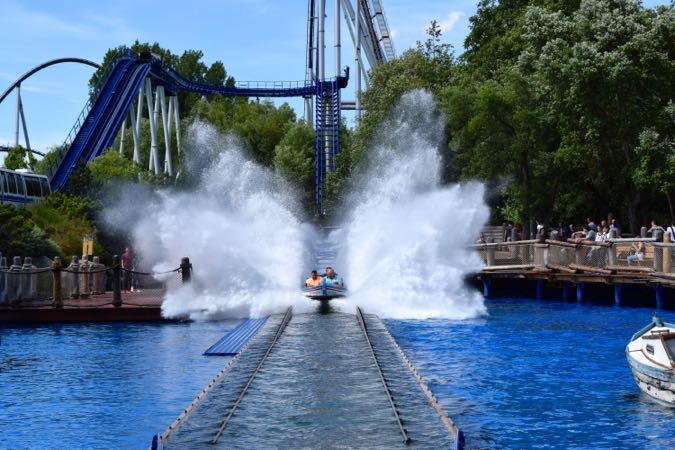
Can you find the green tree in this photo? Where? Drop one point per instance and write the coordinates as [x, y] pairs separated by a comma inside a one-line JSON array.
[[656, 157], [19, 236], [294, 159], [604, 74], [19, 158]]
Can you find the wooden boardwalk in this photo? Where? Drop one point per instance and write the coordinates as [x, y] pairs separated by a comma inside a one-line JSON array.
[[143, 306]]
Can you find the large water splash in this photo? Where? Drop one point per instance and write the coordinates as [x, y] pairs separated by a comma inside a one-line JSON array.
[[237, 224], [405, 245]]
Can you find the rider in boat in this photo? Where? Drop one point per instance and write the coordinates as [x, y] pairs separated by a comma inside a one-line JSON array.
[[332, 279], [314, 280]]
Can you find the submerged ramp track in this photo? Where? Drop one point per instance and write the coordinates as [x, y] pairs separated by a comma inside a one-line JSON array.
[[315, 381]]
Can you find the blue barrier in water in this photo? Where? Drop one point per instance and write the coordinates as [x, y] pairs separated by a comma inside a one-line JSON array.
[[234, 341]]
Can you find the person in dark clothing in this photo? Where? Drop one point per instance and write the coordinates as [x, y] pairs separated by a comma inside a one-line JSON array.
[[127, 264]]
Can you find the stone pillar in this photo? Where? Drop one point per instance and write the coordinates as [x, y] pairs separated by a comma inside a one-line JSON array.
[[28, 280], [84, 277], [667, 254], [98, 276], [73, 284], [14, 294]]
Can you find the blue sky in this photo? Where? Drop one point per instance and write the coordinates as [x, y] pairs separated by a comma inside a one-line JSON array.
[[255, 39]]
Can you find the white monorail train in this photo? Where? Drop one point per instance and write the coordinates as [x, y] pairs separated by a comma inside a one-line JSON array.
[[18, 187]]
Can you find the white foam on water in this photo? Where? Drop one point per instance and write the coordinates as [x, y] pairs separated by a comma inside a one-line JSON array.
[[238, 227], [405, 246]]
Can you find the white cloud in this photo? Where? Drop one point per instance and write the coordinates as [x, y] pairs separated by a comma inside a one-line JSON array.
[[449, 23]]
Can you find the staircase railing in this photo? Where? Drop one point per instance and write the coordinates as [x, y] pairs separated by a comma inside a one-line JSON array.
[[81, 118]]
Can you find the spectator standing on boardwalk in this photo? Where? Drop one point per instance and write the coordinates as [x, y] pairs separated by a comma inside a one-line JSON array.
[[670, 231], [614, 225], [568, 232], [654, 227], [507, 232], [127, 264]]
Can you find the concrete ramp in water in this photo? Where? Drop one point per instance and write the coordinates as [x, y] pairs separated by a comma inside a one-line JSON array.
[[318, 386]]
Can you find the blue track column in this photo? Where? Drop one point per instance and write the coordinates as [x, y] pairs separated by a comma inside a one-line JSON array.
[[566, 291], [540, 289], [658, 291], [618, 295], [580, 292], [487, 288]]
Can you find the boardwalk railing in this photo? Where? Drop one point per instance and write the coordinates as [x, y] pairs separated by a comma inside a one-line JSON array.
[[24, 283], [646, 255]]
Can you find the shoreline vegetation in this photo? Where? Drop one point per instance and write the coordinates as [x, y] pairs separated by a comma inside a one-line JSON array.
[[562, 108]]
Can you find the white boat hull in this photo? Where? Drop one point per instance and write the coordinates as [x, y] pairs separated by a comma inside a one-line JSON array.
[[657, 387], [651, 357]]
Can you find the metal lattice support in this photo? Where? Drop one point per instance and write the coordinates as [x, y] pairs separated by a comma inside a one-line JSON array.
[[327, 136]]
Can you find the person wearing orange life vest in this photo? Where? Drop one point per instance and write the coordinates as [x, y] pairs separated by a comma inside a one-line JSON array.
[[314, 280]]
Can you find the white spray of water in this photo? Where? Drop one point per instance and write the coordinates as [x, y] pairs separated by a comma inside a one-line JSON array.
[[405, 246], [237, 226]]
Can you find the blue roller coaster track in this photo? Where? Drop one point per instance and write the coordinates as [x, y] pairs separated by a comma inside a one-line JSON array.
[[111, 99]]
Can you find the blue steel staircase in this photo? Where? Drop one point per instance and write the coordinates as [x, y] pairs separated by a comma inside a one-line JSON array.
[[327, 138]]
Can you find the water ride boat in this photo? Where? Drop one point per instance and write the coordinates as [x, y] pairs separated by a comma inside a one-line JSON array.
[[651, 356], [324, 292]]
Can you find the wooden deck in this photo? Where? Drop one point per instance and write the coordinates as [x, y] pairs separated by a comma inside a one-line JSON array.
[[136, 307]]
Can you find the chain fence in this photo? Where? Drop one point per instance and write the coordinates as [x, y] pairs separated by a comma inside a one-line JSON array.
[[89, 283]]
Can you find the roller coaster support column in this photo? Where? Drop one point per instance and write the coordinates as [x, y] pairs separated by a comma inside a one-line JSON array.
[[176, 117], [168, 166], [357, 61], [154, 158], [20, 117], [18, 110], [321, 47], [336, 38], [135, 126], [122, 131]]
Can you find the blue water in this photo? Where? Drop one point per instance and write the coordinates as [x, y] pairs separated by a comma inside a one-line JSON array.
[[100, 385], [540, 375], [530, 375]]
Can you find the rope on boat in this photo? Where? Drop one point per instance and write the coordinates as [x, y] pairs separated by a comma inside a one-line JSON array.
[[280, 330], [364, 328]]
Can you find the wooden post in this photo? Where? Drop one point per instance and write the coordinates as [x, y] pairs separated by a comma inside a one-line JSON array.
[[185, 269], [490, 253], [667, 254], [57, 301], [579, 255], [116, 281], [658, 252]]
